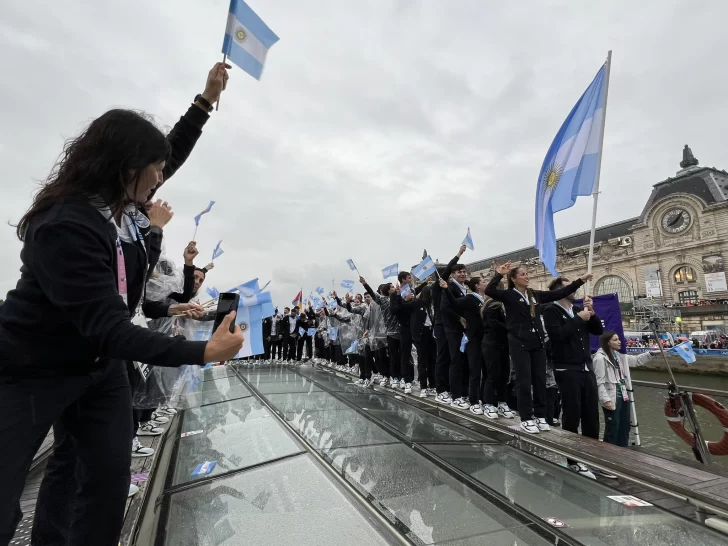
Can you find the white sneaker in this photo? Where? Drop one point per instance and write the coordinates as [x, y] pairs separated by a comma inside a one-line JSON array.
[[476, 409], [367, 384], [423, 393], [491, 412], [159, 419], [504, 411], [166, 410], [461, 403], [605, 474], [133, 490], [384, 382], [393, 383], [431, 392], [407, 388], [402, 384], [138, 450], [359, 382], [555, 422], [542, 424], [529, 426], [444, 398], [148, 429], [416, 384], [582, 470]]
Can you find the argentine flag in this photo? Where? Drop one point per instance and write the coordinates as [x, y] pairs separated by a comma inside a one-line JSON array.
[[250, 320], [390, 271], [571, 164], [685, 350], [425, 269], [247, 38]]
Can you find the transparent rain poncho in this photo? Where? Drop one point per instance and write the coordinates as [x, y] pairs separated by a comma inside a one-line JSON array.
[[166, 278]]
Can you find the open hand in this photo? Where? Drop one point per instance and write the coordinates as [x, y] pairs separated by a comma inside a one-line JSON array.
[[502, 270]]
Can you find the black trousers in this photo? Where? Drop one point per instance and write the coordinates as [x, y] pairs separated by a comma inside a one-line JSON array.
[[381, 361], [84, 490], [426, 357], [476, 370], [266, 347], [458, 370], [442, 360], [530, 367], [368, 366], [305, 340], [276, 348], [497, 371], [579, 401], [289, 348], [617, 423], [393, 344], [407, 368]]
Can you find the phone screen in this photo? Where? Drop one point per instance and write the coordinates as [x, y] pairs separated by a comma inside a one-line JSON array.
[[227, 303]]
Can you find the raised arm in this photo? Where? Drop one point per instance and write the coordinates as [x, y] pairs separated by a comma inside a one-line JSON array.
[[549, 296], [448, 268]]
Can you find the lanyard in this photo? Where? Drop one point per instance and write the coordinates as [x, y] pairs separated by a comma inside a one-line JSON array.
[[121, 272]]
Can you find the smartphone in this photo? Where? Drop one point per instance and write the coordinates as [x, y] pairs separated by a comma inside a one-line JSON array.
[[227, 303]]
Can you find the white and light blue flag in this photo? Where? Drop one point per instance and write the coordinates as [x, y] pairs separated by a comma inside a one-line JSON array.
[[333, 333], [570, 166], [213, 292], [351, 265], [247, 38], [208, 209], [250, 320], [320, 291], [390, 271], [218, 251], [353, 347], [349, 285], [425, 269], [405, 291], [468, 241], [685, 350]]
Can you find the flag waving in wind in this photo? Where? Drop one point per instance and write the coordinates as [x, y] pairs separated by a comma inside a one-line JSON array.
[[468, 241], [351, 265], [208, 209], [571, 166], [349, 285], [685, 350], [425, 269], [297, 300], [247, 38], [218, 251], [390, 271]]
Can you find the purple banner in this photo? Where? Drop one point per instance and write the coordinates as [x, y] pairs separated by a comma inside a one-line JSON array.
[[607, 309]]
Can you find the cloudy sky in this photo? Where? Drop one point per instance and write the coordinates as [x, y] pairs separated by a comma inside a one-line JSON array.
[[379, 128]]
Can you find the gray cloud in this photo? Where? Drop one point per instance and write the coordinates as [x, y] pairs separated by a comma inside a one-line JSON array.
[[379, 128]]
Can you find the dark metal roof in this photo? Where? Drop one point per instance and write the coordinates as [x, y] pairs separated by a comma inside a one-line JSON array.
[[602, 234]]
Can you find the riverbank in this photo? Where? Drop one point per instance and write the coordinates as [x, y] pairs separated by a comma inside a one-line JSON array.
[[704, 365]]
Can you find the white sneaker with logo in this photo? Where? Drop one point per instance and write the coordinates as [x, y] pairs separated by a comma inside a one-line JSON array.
[[166, 410], [367, 384], [431, 392], [159, 419], [529, 426], [359, 382], [384, 382], [444, 398], [476, 409], [504, 411], [423, 393], [461, 403], [407, 388], [582, 470], [402, 384], [491, 412], [138, 450], [542, 424], [149, 429], [393, 383]]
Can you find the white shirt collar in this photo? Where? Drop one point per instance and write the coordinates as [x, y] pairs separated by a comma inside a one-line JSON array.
[[460, 286], [478, 296]]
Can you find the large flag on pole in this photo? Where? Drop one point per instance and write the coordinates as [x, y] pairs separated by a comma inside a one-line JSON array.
[[297, 300], [571, 166], [247, 38]]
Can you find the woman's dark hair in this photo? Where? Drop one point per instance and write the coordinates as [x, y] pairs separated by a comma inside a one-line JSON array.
[[384, 288], [604, 340], [473, 283], [101, 162], [512, 274]]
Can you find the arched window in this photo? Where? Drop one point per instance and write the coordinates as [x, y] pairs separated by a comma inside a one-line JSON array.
[[685, 275], [612, 284], [688, 297]]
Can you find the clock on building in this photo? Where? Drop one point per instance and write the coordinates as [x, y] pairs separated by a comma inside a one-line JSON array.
[[676, 220]]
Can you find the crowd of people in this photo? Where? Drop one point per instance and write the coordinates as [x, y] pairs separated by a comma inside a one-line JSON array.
[[494, 348], [76, 347]]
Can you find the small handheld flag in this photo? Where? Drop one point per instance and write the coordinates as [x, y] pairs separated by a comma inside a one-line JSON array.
[[213, 292], [218, 251], [320, 291], [353, 347], [311, 332], [390, 271], [333, 305], [247, 38], [301, 332], [468, 241], [298, 298], [349, 285], [333, 333], [351, 265], [405, 291], [208, 209], [425, 269], [463, 343], [685, 350]]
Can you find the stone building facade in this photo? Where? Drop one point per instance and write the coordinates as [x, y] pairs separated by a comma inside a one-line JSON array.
[[670, 256]]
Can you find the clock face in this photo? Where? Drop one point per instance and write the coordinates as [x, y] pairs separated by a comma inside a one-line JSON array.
[[676, 220]]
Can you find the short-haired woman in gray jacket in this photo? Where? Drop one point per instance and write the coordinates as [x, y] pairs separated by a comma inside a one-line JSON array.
[[614, 383]]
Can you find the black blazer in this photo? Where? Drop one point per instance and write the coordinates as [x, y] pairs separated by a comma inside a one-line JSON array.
[[469, 308], [570, 343], [494, 324], [437, 291], [402, 309], [523, 329], [448, 313], [285, 326]]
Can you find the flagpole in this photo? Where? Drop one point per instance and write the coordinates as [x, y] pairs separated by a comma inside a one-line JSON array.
[[224, 60], [595, 195], [195, 233]]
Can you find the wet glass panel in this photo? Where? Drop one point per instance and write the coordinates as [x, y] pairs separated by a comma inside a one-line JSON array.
[[280, 387], [217, 372], [234, 434], [547, 490], [298, 402], [432, 505], [210, 392], [328, 430], [519, 536], [288, 502], [418, 425]]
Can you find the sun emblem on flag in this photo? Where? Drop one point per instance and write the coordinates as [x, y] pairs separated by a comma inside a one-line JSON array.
[[551, 177], [243, 326], [240, 35]]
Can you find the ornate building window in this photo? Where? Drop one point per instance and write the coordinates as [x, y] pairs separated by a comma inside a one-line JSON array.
[[612, 284], [688, 296], [685, 275]]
